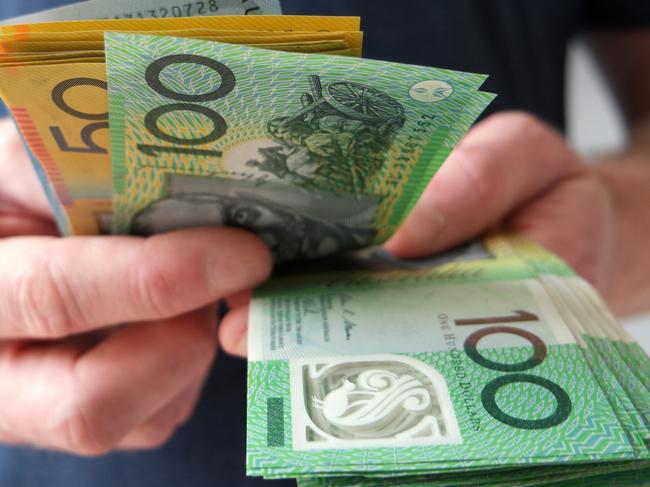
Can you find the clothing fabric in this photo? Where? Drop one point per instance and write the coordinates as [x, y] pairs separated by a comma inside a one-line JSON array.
[[521, 44]]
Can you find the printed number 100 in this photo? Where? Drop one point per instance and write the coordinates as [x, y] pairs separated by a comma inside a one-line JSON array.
[[187, 103], [489, 393]]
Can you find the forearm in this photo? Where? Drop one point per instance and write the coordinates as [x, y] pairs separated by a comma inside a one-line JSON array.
[[627, 176]]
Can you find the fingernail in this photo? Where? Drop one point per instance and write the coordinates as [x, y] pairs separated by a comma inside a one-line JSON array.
[[418, 235], [425, 233]]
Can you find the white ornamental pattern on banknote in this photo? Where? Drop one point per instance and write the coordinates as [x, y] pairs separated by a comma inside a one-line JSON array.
[[371, 401], [379, 400]]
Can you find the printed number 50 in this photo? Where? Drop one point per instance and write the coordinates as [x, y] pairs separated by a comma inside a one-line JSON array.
[[99, 120]]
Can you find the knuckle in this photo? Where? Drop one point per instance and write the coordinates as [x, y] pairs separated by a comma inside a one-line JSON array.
[[524, 125], [155, 435], [198, 341], [154, 290], [483, 172], [518, 119], [184, 415], [81, 431], [202, 344], [600, 195], [46, 304]]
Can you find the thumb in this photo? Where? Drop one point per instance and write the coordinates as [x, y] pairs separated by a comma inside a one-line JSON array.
[[500, 164]]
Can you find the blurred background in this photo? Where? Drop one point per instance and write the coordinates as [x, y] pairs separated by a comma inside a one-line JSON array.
[[594, 127]]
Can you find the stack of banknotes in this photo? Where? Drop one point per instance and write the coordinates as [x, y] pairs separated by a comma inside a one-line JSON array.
[[492, 366], [495, 365]]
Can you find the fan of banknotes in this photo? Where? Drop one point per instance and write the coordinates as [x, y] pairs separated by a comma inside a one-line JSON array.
[[493, 365]]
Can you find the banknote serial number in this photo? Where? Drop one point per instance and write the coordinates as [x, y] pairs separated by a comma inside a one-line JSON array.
[[183, 9]]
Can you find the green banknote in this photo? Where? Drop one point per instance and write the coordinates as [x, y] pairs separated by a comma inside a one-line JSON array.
[[617, 395], [596, 337], [469, 365], [534, 475], [497, 261], [140, 9], [316, 154], [631, 352]]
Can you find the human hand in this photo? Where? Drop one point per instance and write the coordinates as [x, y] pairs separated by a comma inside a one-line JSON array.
[[71, 380], [513, 171]]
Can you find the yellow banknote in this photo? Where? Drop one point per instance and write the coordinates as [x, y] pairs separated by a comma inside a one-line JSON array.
[[16, 47], [98, 35], [76, 60], [61, 110], [54, 57], [354, 39], [98, 56], [31, 56], [233, 22], [350, 52], [305, 47]]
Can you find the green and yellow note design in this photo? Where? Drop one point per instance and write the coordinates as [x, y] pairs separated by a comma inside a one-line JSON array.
[[315, 153]]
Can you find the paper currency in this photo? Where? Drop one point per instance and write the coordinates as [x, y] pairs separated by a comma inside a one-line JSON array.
[[492, 365], [139, 9], [314, 153], [471, 372], [279, 23], [59, 97]]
